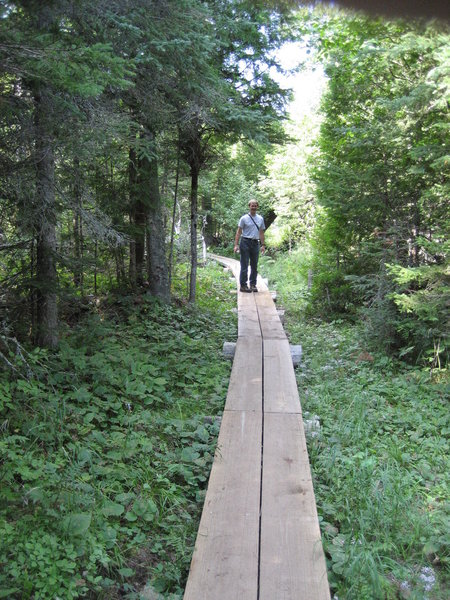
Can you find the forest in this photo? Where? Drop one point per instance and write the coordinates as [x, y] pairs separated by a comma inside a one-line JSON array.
[[133, 133]]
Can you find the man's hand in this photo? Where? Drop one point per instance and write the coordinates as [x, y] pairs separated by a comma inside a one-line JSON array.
[[236, 248], [263, 249]]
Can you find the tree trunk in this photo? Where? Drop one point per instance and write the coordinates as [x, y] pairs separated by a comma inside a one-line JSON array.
[[209, 228], [172, 230], [132, 185], [120, 266], [33, 298], [95, 267], [46, 276], [157, 262], [269, 217], [77, 228], [141, 226], [413, 254], [140, 211], [194, 216]]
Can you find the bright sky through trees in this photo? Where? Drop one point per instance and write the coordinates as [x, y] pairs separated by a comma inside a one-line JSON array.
[[307, 82]]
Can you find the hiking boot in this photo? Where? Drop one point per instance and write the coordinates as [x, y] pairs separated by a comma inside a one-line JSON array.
[[253, 288], [244, 288]]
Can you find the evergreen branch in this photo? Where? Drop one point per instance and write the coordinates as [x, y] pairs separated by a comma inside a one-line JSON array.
[[6, 341], [20, 244]]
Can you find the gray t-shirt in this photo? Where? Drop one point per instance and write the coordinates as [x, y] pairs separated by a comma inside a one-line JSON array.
[[249, 228]]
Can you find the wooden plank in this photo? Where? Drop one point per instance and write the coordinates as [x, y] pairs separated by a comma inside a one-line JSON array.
[[246, 300], [261, 285], [292, 560], [280, 385], [271, 326], [225, 560], [264, 299], [231, 263], [245, 387], [248, 326], [272, 330], [248, 320], [268, 312]]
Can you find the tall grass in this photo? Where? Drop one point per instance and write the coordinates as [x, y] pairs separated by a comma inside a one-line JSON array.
[[380, 461]]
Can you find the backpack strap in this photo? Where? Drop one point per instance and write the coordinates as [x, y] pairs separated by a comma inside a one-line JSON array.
[[253, 221]]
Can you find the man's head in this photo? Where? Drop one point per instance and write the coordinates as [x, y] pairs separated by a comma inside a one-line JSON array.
[[253, 206]]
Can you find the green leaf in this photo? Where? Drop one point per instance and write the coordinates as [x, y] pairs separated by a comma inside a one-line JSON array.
[[126, 572], [77, 523], [405, 351], [202, 433], [125, 497], [145, 508], [112, 509], [430, 547], [189, 455], [7, 593], [36, 494]]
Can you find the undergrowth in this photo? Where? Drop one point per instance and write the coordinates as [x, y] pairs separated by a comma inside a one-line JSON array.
[[106, 450], [379, 459]]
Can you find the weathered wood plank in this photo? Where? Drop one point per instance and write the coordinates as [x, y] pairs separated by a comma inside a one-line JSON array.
[[271, 326], [246, 300], [263, 299], [248, 326], [245, 388], [225, 560], [280, 385], [232, 264], [248, 320], [292, 560], [272, 330]]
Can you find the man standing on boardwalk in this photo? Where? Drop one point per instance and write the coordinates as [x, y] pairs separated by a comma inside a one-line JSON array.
[[251, 233]]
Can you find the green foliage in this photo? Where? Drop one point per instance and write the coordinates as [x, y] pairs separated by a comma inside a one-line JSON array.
[[288, 273], [422, 294], [379, 459], [127, 88], [381, 175], [288, 186], [380, 465], [106, 451]]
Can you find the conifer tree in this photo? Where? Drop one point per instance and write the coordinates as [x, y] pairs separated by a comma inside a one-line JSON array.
[[47, 67], [380, 179]]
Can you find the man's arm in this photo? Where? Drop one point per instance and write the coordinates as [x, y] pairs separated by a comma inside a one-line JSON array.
[[236, 239], [261, 239]]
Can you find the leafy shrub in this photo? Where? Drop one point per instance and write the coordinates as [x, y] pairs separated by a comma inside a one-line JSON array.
[[422, 297], [105, 452], [379, 459]]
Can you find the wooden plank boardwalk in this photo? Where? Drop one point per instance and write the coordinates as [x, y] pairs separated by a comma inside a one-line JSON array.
[[259, 536]]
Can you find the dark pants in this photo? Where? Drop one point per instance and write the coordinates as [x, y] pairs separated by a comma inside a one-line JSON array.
[[249, 250]]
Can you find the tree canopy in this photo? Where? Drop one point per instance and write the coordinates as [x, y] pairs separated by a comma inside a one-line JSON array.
[[94, 95], [382, 177]]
